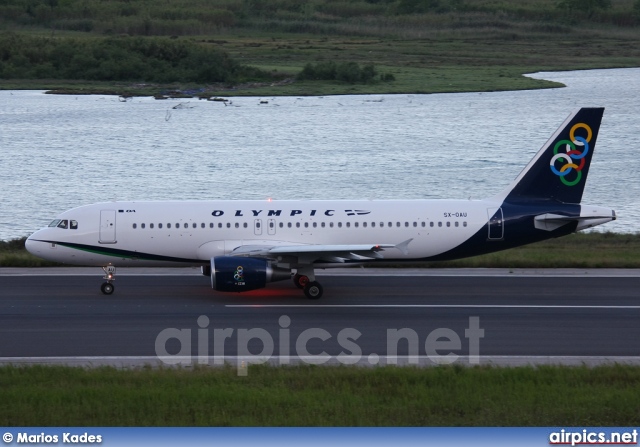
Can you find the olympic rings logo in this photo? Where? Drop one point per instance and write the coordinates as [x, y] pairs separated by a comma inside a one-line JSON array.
[[239, 274], [572, 155]]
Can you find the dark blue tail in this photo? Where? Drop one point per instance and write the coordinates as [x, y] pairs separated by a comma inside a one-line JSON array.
[[559, 170]]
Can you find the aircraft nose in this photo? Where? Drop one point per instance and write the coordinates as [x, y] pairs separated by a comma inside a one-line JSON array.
[[32, 245]]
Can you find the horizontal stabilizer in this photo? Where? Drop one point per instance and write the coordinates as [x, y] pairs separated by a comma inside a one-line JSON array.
[[550, 222]]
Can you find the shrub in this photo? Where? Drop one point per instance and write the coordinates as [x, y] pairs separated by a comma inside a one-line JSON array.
[[349, 72]]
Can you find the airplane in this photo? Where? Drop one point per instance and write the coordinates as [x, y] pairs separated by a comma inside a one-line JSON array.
[[243, 245]]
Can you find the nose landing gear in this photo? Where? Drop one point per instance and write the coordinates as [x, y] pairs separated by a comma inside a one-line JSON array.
[[110, 275]]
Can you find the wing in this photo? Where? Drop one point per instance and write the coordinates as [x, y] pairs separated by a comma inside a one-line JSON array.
[[309, 254]]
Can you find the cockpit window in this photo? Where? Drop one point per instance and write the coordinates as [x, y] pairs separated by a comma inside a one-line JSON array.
[[64, 224]]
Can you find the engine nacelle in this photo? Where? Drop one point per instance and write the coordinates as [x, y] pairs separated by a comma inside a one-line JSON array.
[[237, 274]]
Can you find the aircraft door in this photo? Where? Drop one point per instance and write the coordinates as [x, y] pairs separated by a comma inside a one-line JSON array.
[[107, 227], [271, 226], [496, 224], [257, 227]]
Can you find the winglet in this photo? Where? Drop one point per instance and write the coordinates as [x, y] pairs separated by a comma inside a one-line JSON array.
[[404, 246]]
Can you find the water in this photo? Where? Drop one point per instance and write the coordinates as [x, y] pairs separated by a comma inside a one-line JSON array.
[[58, 152]]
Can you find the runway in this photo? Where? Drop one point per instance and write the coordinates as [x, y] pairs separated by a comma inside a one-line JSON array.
[[365, 316]]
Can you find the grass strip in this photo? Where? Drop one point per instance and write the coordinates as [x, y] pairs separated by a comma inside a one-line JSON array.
[[580, 250], [321, 396]]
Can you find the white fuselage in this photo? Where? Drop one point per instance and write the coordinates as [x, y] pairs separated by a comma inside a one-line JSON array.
[[191, 233]]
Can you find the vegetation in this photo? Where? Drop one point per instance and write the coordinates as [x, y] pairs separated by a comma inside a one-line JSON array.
[[419, 46], [328, 17], [321, 396], [580, 250], [14, 254], [118, 59], [349, 72]]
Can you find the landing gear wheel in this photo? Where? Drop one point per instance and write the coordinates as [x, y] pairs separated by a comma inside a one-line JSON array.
[[300, 281], [107, 288], [110, 276], [313, 290]]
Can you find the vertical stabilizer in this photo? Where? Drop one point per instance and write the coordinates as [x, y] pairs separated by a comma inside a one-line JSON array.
[[559, 170]]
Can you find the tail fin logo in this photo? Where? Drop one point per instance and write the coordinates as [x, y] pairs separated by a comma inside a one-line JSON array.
[[572, 155]]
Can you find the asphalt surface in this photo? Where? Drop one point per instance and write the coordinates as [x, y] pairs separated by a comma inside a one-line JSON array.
[[58, 315]]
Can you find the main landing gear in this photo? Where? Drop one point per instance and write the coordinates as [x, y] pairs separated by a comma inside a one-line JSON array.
[[110, 275], [312, 289]]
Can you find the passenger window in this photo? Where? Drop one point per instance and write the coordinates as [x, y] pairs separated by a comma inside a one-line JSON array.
[[150, 225], [142, 226], [194, 225], [348, 224], [397, 224], [448, 224], [424, 224], [168, 225], [322, 224], [456, 223], [245, 225], [315, 225], [297, 224], [211, 225], [135, 226], [289, 224], [464, 224], [356, 224], [306, 224], [431, 224], [281, 225], [177, 225], [228, 224], [202, 225], [439, 224], [373, 224], [238, 225], [330, 224], [186, 225], [364, 225], [220, 225], [339, 224]]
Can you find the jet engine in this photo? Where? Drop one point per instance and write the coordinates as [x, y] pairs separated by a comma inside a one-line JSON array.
[[238, 274]]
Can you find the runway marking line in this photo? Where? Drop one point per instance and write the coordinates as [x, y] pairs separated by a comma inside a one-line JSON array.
[[437, 306]]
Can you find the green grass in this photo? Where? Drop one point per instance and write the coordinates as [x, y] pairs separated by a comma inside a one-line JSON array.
[[580, 250], [461, 46], [321, 396], [14, 254]]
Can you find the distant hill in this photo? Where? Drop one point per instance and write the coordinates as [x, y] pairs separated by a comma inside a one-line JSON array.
[[402, 18]]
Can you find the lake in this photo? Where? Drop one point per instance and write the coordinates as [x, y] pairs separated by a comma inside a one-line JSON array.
[[62, 151]]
